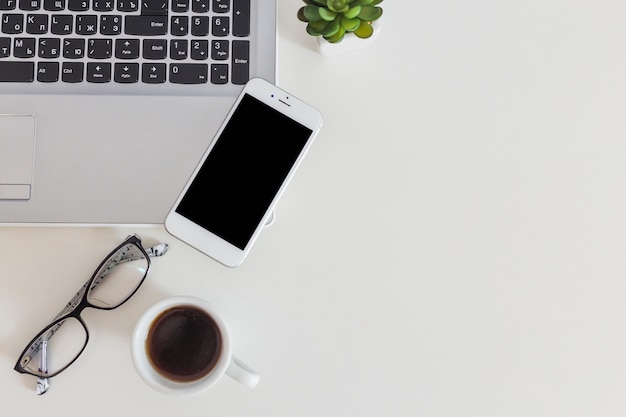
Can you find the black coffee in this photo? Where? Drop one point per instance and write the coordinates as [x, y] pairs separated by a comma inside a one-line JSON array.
[[183, 343]]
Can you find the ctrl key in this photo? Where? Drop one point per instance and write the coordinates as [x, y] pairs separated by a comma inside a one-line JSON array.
[[72, 72], [17, 72]]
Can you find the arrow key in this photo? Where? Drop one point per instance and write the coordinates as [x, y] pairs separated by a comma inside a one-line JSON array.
[[126, 48], [98, 72], [126, 72], [153, 73]]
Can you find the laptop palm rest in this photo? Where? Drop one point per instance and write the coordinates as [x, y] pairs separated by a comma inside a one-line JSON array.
[[17, 147]]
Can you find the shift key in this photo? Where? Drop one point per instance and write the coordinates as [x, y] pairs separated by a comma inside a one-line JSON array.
[[17, 72], [146, 25]]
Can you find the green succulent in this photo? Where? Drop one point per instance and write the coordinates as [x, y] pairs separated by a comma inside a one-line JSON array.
[[332, 19]]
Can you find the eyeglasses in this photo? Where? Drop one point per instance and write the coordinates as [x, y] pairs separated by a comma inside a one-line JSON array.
[[114, 282]]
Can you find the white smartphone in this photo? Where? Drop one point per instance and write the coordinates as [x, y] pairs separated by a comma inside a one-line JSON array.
[[241, 176]]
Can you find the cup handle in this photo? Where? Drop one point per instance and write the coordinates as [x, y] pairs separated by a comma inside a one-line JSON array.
[[242, 373]]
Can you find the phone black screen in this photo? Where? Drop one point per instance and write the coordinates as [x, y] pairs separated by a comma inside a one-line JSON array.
[[243, 172]]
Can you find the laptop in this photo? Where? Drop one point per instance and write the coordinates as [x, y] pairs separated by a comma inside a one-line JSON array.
[[107, 130]]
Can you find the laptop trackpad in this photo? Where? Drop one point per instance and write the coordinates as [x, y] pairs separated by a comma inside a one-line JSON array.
[[17, 147]]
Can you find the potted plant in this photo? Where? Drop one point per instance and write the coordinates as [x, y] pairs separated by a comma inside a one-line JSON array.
[[338, 21]]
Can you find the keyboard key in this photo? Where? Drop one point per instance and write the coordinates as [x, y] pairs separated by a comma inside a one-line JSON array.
[[99, 48], [103, 5], [241, 62], [72, 72], [127, 48], [98, 72], [7, 4], [189, 73], [54, 5], [220, 26], [179, 25], [78, 5], [154, 7], [200, 25], [180, 6], [29, 5], [5, 47], [48, 72], [153, 73], [219, 73], [219, 52], [200, 6], [49, 48], [221, 6], [86, 24], [12, 23], [73, 48], [17, 71], [61, 24], [155, 48], [241, 18], [127, 6], [37, 24], [110, 24], [199, 49], [24, 47], [178, 49], [146, 25], [126, 73]]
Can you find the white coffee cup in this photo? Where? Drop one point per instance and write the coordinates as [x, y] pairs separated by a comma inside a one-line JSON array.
[[154, 329]]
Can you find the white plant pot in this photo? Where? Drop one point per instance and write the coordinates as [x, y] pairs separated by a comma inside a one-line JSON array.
[[349, 43]]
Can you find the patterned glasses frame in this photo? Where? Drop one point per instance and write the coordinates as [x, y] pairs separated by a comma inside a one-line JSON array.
[[110, 286]]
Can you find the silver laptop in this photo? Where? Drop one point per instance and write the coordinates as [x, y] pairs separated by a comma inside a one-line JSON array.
[[106, 106]]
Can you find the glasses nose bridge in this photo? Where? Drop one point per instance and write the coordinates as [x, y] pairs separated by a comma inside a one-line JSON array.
[[77, 311]]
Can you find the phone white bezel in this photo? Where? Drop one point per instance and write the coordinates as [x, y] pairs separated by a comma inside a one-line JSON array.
[[202, 239]]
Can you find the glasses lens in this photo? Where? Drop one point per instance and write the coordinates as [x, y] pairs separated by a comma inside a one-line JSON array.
[[118, 277], [56, 348]]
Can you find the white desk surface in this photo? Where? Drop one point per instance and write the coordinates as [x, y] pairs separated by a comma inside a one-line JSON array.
[[453, 244]]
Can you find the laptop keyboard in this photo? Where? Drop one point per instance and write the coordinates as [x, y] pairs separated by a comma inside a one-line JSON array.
[[137, 46]]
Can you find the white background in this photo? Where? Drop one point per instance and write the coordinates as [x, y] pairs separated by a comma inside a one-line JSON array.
[[452, 245]]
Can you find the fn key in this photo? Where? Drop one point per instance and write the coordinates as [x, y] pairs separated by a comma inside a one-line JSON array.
[[17, 72]]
